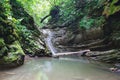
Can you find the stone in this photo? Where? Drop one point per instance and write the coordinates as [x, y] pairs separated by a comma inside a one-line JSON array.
[[15, 56]]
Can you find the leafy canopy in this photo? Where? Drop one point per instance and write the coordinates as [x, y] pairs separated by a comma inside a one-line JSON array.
[[40, 8]]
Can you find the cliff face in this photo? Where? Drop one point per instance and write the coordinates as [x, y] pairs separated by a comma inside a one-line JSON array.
[[112, 24], [90, 21], [11, 53], [30, 37], [106, 14]]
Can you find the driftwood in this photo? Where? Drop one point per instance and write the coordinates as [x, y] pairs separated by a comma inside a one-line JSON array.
[[82, 53]]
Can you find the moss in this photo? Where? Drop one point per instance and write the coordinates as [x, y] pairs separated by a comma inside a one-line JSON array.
[[111, 8], [2, 44], [11, 53], [14, 54], [15, 49], [16, 34]]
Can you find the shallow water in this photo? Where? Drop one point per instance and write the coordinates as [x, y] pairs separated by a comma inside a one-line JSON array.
[[60, 69]]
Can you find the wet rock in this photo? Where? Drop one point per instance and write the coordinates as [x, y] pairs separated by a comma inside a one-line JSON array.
[[78, 38], [115, 69], [62, 37], [109, 56], [15, 56], [117, 65]]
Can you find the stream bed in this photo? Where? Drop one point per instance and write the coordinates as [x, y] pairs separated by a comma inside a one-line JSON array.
[[63, 68]]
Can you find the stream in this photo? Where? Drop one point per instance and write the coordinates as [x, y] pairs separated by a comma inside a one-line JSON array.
[[64, 68], [69, 67]]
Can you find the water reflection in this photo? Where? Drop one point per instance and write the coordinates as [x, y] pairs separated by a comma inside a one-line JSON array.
[[41, 76], [47, 66], [60, 69]]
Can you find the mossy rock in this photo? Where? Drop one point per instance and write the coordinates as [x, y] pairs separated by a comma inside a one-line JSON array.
[[10, 62], [15, 56]]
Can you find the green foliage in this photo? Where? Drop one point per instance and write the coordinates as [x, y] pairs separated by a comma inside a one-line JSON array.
[[36, 8], [15, 51], [2, 43], [111, 8], [40, 8], [25, 28], [7, 7], [8, 36], [3, 51], [87, 22], [68, 10], [26, 38]]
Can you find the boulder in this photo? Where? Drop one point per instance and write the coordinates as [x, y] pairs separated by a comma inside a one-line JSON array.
[[15, 56]]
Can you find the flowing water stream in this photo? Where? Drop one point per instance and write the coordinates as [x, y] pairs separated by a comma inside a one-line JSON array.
[[48, 40], [60, 69]]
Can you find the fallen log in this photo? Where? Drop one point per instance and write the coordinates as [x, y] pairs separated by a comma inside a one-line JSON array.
[[82, 53]]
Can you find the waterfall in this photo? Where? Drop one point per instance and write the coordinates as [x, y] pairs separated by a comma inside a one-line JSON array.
[[48, 40], [48, 36]]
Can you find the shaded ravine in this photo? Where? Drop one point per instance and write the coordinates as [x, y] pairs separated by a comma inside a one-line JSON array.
[[70, 67]]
